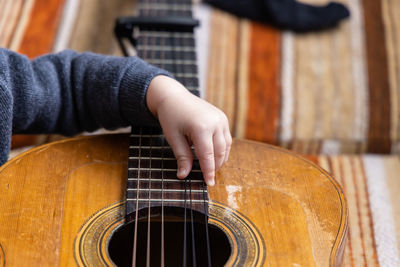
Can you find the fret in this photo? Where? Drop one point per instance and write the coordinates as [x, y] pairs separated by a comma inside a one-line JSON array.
[[163, 12], [164, 7], [159, 174], [167, 41], [168, 190], [147, 163], [168, 200], [172, 41], [184, 68], [171, 55], [149, 142], [158, 163], [176, 68], [134, 193], [152, 158], [167, 197], [158, 169], [146, 194], [163, 34], [159, 153], [146, 184], [165, 48], [192, 88], [167, 180], [151, 147], [148, 135], [186, 75]]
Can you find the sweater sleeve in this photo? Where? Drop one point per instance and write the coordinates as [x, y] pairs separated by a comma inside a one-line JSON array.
[[70, 92]]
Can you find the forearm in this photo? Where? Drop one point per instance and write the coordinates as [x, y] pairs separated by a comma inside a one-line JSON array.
[[70, 92]]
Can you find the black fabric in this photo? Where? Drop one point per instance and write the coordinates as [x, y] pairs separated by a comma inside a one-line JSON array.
[[286, 14]]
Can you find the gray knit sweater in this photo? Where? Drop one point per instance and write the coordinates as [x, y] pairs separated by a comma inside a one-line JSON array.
[[69, 92]]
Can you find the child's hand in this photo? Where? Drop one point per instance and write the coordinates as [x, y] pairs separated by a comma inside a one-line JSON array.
[[188, 120]]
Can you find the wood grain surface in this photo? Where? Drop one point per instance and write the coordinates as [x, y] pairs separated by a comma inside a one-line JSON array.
[[48, 193]]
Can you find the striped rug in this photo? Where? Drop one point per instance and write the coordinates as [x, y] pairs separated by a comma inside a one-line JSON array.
[[371, 185], [37, 27], [336, 91]]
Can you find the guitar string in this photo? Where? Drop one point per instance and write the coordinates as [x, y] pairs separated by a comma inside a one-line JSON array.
[[206, 224], [162, 56], [205, 195], [184, 227], [204, 187], [180, 52], [162, 203], [137, 195], [184, 80], [190, 182], [192, 226], [148, 256], [174, 70], [149, 206], [137, 200], [194, 261]]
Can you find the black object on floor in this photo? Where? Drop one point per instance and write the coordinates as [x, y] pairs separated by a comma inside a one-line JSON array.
[[286, 14]]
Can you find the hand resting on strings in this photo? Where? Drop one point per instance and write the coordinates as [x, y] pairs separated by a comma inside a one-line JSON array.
[[188, 120]]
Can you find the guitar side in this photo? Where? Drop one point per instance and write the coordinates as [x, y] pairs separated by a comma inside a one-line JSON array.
[[50, 194]]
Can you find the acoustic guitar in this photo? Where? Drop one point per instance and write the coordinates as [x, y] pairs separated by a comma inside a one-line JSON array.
[[115, 200]]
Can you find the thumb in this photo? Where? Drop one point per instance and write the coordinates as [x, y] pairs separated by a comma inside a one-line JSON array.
[[183, 154]]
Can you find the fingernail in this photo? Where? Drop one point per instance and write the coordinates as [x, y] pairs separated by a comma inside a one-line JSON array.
[[181, 172], [211, 182]]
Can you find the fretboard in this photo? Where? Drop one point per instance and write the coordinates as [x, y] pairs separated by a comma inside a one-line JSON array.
[[173, 51], [152, 180]]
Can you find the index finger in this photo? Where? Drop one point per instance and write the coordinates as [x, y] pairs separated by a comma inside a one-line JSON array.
[[204, 149]]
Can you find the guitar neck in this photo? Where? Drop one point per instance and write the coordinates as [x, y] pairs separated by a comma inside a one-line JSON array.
[[152, 180], [172, 51]]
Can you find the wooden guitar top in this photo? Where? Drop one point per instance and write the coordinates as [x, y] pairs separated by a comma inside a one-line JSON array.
[[284, 209]]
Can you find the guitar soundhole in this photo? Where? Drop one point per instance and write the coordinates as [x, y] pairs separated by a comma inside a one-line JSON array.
[[121, 243]]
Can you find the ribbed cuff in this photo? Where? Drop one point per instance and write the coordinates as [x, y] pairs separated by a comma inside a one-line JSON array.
[[133, 89]]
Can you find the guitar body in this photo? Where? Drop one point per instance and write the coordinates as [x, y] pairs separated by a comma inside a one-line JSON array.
[[61, 202]]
